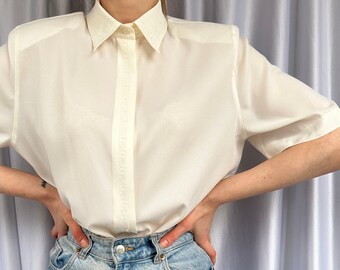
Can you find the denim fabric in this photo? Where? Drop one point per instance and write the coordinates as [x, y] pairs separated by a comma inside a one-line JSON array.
[[137, 253]]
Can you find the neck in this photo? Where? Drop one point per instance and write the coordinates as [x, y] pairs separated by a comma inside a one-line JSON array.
[[127, 11]]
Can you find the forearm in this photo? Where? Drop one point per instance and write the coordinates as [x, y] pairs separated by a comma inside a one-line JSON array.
[[298, 163], [18, 183]]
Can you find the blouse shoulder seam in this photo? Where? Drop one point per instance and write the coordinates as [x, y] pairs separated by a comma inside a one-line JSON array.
[[235, 38], [15, 40]]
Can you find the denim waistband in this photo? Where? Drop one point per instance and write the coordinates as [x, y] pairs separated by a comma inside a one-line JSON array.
[[124, 249]]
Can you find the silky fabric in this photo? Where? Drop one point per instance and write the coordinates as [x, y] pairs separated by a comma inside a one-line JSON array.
[[288, 225], [139, 150]]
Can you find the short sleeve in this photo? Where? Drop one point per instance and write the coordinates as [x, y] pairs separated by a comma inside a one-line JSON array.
[[7, 91], [277, 110]]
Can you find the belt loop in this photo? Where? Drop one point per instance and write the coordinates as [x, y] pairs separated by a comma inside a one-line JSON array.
[[83, 252], [155, 240]]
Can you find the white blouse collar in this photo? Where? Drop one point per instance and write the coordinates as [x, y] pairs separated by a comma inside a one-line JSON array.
[[153, 25]]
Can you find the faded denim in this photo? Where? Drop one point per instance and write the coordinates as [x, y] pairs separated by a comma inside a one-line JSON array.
[[138, 253]]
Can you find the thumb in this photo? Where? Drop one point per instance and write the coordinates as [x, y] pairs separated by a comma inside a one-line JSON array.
[[209, 249], [77, 232], [173, 235]]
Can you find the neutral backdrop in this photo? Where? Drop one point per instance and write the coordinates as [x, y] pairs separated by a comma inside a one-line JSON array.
[[292, 229]]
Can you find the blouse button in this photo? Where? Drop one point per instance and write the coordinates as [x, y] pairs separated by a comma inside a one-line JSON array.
[[127, 30]]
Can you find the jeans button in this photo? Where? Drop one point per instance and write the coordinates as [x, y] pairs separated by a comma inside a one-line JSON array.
[[120, 249]]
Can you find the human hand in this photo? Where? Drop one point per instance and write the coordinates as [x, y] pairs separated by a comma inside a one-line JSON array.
[[198, 222], [63, 220]]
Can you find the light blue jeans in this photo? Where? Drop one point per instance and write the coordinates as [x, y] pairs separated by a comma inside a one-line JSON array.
[[132, 253]]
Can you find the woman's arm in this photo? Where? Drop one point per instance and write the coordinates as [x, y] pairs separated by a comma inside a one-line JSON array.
[[300, 162], [18, 183], [295, 164]]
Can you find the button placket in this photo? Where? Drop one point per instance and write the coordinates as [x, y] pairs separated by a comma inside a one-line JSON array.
[[123, 134]]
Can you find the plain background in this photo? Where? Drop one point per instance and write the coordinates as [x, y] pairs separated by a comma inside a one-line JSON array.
[[294, 228]]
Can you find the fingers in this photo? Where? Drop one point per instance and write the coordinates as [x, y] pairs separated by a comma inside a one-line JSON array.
[[62, 230], [54, 232], [209, 249], [173, 235], [181, 228], [62, 218], [58, 230], [77, 232]]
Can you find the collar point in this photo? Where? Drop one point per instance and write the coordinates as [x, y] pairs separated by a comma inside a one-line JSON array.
[[94, 48]]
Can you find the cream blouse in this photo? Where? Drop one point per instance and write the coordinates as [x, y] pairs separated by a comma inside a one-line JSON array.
[[135, 123]]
